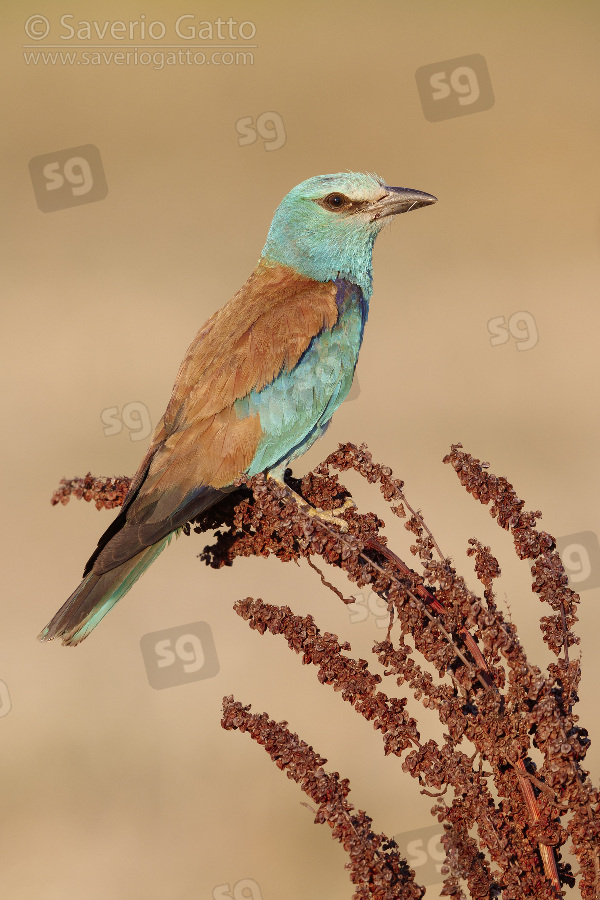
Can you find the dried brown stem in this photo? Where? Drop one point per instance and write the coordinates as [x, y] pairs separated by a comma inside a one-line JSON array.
[[487, 692], [376, 868]]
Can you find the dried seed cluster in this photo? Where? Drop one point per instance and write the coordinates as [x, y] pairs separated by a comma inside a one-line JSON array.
[[503, 841], [376, 867], [105, 492]]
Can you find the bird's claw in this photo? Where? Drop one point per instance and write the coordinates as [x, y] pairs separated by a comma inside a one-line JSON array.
[[331, 516], [346, 505]]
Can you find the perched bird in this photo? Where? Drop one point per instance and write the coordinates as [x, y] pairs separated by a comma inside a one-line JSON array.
[[258, 385]]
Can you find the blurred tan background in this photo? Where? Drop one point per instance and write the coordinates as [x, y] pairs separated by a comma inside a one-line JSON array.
[[109, 787]]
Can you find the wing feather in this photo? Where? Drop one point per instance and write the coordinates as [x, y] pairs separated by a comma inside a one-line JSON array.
[[200, 446]]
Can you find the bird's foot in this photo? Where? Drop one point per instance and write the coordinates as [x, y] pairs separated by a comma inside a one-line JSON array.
[[330, 516]]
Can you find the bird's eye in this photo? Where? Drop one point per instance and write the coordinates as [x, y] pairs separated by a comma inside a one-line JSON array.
[[335, 201]]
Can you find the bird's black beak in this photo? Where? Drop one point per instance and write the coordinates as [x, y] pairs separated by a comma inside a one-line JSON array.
[[399, 200]]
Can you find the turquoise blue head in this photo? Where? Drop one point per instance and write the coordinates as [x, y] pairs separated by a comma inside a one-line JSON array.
[[326, 226]]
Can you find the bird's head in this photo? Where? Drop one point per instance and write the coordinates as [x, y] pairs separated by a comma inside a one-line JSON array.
[[326, 226]]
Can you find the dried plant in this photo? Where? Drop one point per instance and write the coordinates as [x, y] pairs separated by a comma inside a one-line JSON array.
[[501, 841]]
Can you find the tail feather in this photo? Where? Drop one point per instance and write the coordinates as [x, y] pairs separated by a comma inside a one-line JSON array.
[[96, 595]]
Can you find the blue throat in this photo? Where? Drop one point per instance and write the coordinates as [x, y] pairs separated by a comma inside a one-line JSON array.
[[322, 253]]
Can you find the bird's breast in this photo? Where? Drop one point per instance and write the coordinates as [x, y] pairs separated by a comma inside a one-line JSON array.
[[303, 399]]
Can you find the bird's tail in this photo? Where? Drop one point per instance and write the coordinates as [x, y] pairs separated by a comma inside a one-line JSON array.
[[96, 595]]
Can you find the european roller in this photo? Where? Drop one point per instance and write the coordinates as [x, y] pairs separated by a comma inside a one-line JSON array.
[[258, 385]]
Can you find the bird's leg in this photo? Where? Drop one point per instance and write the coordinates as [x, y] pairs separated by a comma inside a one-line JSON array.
[[331, 516]]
